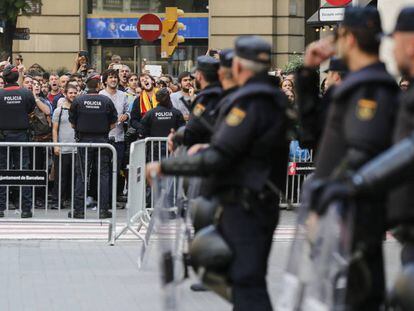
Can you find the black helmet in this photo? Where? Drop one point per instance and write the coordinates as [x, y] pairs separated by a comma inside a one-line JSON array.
[[11, 74], [202, 212], [209, 250]]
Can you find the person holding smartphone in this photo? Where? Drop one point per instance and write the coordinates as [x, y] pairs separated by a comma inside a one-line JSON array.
[[81, 63]]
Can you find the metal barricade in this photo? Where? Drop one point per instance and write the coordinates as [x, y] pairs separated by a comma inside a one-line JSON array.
[[140, 201], [299, 168], [25, 168]]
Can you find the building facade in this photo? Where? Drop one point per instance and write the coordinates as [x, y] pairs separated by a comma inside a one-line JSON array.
[[61, 28]]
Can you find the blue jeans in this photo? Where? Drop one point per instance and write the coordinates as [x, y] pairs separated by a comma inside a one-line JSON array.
[[15, 136]]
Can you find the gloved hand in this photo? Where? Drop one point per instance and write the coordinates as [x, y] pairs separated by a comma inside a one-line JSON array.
[[332, 191]]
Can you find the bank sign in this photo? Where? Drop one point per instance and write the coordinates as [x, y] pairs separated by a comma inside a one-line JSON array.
[[126, 28]]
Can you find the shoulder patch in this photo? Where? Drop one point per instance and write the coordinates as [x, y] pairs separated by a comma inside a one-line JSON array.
[[235, 117], [366, 109], [198, 110]]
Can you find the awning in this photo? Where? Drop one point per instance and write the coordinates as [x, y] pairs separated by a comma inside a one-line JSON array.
[[316, 22]]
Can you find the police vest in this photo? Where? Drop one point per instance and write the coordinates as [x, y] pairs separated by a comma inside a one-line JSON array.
[[13, 109], [93, 115]]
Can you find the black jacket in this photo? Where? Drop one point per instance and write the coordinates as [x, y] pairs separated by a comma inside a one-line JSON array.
[[159, 121], [249, 147], [16, 104], [360, 122]]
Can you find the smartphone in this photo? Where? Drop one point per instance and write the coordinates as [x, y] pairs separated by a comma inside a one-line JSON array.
[[117, 66], [83, 53], [212, 53]]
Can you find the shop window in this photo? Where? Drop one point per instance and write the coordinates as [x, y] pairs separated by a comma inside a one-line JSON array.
[[113, 5]]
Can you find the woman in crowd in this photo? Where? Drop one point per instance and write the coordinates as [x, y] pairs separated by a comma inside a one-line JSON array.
[[286, 85]]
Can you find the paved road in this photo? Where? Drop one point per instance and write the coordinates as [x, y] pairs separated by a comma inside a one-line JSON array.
[[80, 272]]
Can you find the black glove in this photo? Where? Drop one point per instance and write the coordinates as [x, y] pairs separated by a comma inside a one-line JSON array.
[[332, 191]]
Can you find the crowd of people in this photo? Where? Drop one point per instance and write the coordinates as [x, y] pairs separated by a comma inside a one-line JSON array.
[[142, 112]]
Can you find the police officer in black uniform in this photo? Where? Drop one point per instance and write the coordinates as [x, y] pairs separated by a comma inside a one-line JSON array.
[[246, 158], [159, 121], [198, 128], [16, 104], [359, 127], [313, 106], [92, 116], [392, 170]]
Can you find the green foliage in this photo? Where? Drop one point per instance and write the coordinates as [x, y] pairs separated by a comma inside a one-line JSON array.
[[295, 62], [10, 9]]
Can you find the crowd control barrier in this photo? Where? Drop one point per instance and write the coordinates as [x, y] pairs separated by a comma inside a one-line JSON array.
[[140, 195], [141, 199], [299, 168], [27, 167]]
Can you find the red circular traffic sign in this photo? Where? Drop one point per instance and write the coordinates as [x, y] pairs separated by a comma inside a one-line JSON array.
[[149, 27], [338, 2]]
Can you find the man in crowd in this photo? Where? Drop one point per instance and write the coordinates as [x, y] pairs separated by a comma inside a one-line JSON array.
[[63, 133], [63, 80], [92, 116], [54, 87], [182, 100], [110, 79], [123, 78], [145, 102]]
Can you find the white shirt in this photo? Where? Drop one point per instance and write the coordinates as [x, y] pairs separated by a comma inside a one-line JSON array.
[[120, 101]]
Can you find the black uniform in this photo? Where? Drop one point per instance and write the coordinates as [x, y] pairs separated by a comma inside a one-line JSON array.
[[204, 108], [15, 106], [248, 151], [159, 121], [92, 114]]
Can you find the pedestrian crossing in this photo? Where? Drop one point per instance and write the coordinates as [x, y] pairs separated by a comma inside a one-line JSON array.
[[91, 231]]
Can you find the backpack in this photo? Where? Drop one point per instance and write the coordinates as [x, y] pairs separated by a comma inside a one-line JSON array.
[[39, 126]]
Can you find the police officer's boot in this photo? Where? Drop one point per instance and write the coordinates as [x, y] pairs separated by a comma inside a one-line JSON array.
[[26, 214], [77, 214], [1, 214], [103, 214]]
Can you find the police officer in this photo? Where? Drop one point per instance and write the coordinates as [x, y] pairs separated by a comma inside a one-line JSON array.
[[92, 116], [393, 170], [314, 107], [198, 128], [246, 157], [359, 126], [159, 121], [16, 104]]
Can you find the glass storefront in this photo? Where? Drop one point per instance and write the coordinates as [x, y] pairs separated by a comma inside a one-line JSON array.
[[147, 6], [136, 54]]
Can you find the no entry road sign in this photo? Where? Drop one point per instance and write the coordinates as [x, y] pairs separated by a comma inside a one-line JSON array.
[[149, 27], [338, 2]]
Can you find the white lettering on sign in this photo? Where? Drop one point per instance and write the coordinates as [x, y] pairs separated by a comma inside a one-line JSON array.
[[13, 99], [127, 27], [92, 104], [149, 27], [331, 14]]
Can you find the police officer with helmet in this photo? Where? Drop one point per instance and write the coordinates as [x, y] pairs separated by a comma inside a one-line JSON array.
[[16, 104], [359, 127], [392, 171], [198, 128], [246, 160], [92, 116]]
